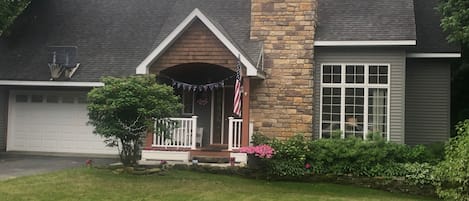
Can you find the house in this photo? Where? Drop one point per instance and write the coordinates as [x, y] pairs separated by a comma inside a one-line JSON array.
[[318, 67]]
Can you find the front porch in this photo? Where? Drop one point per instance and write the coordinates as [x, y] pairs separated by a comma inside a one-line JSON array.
[[183, 141]]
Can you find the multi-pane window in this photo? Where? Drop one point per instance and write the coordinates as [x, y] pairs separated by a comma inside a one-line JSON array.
[[354, 100], [330, 110]]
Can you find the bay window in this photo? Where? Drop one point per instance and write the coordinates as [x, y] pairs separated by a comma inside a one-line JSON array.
[[354, 100]]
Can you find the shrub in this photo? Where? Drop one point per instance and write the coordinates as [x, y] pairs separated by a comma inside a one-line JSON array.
[[258, 139], [289, 158], [419, 173], [452, 173], [363, 158], [349, 156], [122, 111]]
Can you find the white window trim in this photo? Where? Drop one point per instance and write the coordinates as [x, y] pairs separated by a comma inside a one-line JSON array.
[[334, 43], [342, 85], [433, 55], [50, 83]]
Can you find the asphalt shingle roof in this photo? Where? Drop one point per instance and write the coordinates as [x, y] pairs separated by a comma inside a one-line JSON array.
[[112, 37], [345, 20], [431, 38]]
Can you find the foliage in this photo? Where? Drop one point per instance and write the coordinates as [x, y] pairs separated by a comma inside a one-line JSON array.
[[345, 157], [452, 174], [258, 139], [123, 110], [9, 10], [290, 156], [362, 158], [419, 173], [455, 19], [375, 136]]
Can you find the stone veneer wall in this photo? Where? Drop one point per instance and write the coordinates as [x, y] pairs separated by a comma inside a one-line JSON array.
[[282, 104]]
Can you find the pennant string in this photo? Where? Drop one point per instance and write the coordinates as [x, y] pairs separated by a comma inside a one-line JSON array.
[[198, 87]]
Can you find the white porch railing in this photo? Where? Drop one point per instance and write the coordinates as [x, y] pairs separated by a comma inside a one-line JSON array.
[[181, 133], [234, 133]]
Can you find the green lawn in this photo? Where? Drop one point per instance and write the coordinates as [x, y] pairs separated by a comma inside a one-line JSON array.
[[93, 184]]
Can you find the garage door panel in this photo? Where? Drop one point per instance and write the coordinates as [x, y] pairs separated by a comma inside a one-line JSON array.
[[52, 127]]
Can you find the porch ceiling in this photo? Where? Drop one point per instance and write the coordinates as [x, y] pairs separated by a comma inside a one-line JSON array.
[[198, 73]]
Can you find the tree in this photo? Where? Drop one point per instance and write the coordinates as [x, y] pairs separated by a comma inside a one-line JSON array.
[[452, 174], [9, 10], [123, 111], [455, 20]]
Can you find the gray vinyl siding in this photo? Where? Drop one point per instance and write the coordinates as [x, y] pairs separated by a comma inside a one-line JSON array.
[[427, 101], [395, 57], [3, 118]]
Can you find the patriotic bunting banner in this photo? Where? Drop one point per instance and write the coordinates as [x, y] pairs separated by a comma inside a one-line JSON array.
[[199, 87]]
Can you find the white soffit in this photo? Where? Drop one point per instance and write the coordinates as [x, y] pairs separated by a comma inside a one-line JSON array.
[[142, 68], [433, 55], [366, 43], [50, 83]]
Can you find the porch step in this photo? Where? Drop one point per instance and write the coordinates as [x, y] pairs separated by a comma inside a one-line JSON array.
[[215, 147], [204, 153], [204, 156], [209, 159]]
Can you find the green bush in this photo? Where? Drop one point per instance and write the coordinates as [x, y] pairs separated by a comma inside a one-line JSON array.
[[452, 173], [258, 139], [362, 158], [419, 173], [349, 156], [122, 112], [289, 158]]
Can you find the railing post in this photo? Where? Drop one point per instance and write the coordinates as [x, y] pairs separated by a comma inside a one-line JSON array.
[[194, 132], [230, 133]]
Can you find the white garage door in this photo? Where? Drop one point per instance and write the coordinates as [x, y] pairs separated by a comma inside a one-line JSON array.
[[51, 122]]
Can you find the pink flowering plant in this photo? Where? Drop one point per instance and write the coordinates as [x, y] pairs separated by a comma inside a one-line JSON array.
[[261, 151]]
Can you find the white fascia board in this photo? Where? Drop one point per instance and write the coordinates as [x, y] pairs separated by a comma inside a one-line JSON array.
[[433, 55], [366, 43], [50, 83], [142, 68]]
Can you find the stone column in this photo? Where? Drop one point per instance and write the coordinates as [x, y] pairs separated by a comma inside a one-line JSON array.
[[282, 104]]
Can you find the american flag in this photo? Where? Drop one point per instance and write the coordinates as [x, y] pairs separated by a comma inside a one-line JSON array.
[[237, 91]]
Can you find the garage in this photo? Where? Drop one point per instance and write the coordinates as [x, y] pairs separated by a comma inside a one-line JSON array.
[[51, 121]]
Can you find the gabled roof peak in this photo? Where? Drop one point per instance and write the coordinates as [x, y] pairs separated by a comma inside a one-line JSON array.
[[218, 31]]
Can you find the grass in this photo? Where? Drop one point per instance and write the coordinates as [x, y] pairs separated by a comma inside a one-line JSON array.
[[94, 184]]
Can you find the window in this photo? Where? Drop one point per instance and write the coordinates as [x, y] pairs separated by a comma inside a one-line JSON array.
[[188, 102], [68, 99], [36, 98], [81, 99], [52, 99], [354, 100], [21, 98]]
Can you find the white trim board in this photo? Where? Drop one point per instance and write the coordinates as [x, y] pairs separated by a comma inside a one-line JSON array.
[[365, 43], [50, 83], [142, 68], [433, 55]]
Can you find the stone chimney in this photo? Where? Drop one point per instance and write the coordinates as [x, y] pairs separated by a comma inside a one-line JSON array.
[[282, 104]]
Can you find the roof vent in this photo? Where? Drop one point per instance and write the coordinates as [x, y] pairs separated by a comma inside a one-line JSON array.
[[62, 62]]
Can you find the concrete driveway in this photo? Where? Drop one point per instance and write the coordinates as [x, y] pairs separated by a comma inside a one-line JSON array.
[[14, 165]]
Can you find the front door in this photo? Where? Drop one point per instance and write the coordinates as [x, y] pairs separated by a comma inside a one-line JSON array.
[[222, 109]]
